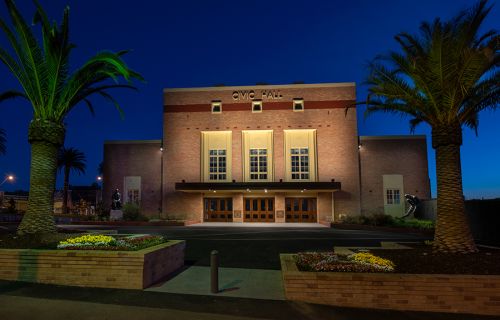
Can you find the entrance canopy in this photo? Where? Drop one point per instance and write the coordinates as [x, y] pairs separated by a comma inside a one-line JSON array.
[[238, 187]]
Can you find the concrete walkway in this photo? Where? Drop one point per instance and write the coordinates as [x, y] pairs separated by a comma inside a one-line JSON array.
[[257, 225], [233, 282]]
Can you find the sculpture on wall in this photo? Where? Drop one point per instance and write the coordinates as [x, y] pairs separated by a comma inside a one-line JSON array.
[[413, 201], [116, 200]]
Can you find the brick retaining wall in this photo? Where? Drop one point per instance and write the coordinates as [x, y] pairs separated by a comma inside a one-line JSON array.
[[93, 268], [476, 294]]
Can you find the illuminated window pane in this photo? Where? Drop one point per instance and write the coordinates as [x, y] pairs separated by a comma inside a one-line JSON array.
[[258, 164], [300, 163], [217, 164]]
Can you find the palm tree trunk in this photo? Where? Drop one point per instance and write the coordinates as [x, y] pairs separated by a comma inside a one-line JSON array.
[[45, 139], [65, 191], [452, 228]]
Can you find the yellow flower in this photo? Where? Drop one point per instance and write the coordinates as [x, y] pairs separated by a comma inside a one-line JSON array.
[[88, 240], [366, 257]]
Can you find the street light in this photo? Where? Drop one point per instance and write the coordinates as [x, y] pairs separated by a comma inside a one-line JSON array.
[[98, 196], [9, 178]]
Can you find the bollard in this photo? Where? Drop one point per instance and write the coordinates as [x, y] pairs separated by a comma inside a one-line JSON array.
[[214, 271]]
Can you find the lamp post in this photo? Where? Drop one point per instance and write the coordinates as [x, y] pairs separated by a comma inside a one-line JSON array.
[[99, 191]]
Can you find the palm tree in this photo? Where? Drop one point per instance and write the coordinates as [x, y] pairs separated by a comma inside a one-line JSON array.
[[69, 159], [445, 76], [42, 69], [3, 141]]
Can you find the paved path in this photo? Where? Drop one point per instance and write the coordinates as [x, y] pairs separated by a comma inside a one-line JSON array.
[[21, 308], [233, 282], [35, 301], [257, 225]]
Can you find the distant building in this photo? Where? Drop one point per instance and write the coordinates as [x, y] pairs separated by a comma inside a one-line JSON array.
[[267, 153]]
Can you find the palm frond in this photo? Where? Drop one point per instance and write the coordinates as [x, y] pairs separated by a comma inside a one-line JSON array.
[[43, 69], [11, 94], [448, 72], [31, 55], [72, 159]]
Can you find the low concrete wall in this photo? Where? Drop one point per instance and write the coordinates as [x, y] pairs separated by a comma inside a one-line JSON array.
[[93, 268], [476, 294]]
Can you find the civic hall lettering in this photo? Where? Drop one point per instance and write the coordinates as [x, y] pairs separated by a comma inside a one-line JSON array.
[[251, 95]]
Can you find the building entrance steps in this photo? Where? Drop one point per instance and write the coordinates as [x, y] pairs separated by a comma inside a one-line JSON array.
[[258, 224], [233, 282]]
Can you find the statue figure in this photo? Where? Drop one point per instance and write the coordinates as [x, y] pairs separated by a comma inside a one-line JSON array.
[[116, 198], [413, 201]]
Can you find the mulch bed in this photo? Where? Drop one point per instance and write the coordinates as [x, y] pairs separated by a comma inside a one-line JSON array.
[[14, 241], [421, 259]]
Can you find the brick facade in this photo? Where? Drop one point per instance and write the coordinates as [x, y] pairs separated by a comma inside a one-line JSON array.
[[404, 155], [187, 112], [134, 158]]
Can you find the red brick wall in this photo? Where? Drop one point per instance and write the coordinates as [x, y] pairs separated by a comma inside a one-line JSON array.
[[134, 158], [392, 155], [336, 139], [477, 294]]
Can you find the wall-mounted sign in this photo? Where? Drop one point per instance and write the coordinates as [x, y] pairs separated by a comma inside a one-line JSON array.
[[252, 94]]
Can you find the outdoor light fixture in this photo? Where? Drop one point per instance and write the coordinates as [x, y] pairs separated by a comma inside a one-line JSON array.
[[265, 190], [161, 149], [9, 178], [99, 178]]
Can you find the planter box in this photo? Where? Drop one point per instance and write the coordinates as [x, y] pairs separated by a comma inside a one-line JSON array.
[[476, 294], [93, 268]]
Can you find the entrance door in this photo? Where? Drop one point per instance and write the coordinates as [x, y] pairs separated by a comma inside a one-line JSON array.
[[259, 210], [300, 210], [218, 210]]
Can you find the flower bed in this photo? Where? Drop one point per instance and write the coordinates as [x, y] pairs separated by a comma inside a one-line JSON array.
[[476, 294], [89, 267], [331, 262], [103, 242]]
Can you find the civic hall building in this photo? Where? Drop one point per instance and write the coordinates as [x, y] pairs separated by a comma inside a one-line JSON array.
[[265, 153]]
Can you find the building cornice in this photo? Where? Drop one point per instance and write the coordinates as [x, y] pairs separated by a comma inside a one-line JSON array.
[[263, 87]]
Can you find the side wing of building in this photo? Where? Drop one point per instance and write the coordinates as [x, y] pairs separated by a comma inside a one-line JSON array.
[[392, 166], [134, 168]]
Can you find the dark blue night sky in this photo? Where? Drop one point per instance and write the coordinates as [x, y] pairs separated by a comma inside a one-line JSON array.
[[202, 43]]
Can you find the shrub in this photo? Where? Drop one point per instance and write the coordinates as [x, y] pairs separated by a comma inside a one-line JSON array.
[[101, 212], [380, 219], [131, 212], [414, 223]]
